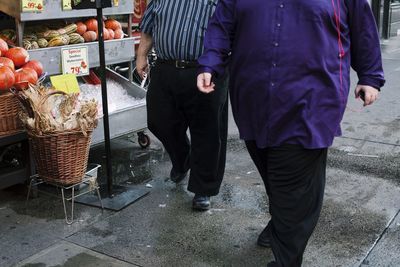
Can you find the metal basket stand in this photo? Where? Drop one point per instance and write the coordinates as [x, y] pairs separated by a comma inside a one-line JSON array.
[[87, 185]]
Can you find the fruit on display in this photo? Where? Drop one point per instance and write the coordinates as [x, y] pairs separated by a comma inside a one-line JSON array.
[[91, 24], [17, 71], [7, 78], [118, 34], [18, 55], [106, 34], [111, 33], [59, 40], [8, 35], [113, 24], [30, 37], [81, 28], [3, 47], [71, 28], [28, 45], [90, 36], [25, 76], [5, 61], [42, 43], [35, 65], [50, 34], [59, 34], [76, 38]]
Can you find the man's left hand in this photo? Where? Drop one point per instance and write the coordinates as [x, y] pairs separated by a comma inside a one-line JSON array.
[[370, 94]]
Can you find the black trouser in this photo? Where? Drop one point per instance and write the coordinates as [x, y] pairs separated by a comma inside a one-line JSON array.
[[294, 178], [174, 104]]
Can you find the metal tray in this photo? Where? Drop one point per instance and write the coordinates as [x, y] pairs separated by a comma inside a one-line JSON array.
[[52, 9], [127, 120], [116, 51]]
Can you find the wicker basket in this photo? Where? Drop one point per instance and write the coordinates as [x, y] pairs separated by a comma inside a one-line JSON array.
[[61, 158], [9, 109]]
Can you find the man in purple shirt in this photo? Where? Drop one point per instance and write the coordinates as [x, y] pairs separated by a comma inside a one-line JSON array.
[[289, 63]]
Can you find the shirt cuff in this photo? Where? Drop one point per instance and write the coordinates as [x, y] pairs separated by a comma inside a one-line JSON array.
[[376, 83]]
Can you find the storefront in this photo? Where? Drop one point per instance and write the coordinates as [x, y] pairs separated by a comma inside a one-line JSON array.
[[61, 42]]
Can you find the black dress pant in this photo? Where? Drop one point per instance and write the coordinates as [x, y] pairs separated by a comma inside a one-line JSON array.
[[294, 178], [174, 104]]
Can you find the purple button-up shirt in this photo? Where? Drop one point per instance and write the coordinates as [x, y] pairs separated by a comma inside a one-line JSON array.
[[288, 83]]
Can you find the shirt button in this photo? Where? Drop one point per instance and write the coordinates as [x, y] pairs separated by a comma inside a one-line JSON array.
[[281, 5], [272, 84], [276, 44], [274, 65], [278, 25]]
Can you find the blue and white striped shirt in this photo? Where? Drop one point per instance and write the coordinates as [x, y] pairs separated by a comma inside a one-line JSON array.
[[178, 27]]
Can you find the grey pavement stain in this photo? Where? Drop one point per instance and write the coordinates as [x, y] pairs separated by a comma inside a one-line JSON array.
[[384, 167], [100, 232]]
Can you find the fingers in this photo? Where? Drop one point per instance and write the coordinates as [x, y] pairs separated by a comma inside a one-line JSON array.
[[370, 97], [357, 91], [204, 83], [367, 93], [142, 70]]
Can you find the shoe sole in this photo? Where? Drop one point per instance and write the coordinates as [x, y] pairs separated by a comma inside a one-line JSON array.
[[200, 208]]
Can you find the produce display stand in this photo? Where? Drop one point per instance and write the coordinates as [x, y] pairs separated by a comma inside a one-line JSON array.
[[123, 121], [132, 119]]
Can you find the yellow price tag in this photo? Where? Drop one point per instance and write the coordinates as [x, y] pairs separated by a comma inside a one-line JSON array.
[[66, 83], [116, 3], [67, 4], [32, 5]]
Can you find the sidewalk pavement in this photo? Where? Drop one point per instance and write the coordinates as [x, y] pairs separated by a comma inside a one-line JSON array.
[[359, 224]]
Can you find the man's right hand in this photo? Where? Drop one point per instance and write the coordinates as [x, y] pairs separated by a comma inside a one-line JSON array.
[[142, 66], [204, 83]]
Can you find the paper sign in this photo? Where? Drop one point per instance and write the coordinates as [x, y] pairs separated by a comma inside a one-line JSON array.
[[66, 83], [32, 5], [67, 4], [116, 3], [75, 60]]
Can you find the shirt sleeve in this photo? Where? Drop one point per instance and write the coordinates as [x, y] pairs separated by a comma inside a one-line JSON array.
[[366, 57], [218, 39], [146, 25]]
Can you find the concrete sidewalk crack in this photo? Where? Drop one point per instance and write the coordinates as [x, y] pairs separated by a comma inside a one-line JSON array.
[[370, 141], [379, 238], [102, 253]]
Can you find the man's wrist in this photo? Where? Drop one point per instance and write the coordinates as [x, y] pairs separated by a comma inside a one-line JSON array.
[[141, 57]]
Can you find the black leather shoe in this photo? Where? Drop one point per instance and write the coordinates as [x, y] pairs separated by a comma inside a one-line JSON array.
[[177, 177], [201, 203], [264, 239]]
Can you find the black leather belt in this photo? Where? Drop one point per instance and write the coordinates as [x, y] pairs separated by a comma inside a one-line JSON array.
[[179, 64]]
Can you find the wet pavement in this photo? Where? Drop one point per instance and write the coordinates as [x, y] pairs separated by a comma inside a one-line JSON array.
[[359, 224]]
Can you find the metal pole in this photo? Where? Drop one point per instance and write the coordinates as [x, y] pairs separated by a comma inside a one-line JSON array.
[[376, 9], [386, 19], [104, 100]]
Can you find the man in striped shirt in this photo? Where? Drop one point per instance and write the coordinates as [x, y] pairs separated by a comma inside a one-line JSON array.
[[176, 30]]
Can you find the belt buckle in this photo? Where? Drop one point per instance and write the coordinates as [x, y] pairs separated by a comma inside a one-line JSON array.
[[180, 64]]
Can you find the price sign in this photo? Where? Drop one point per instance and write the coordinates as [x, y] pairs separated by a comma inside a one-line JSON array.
[[67, 4], [32, 5], [66, 83], [75, 60], [116, 3]]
